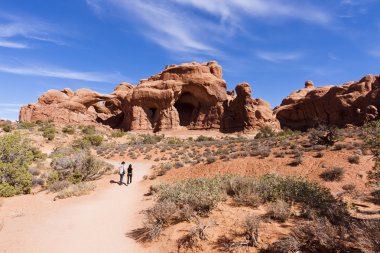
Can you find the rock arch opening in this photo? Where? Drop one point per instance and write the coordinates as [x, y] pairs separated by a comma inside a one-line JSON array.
[[188, 107]]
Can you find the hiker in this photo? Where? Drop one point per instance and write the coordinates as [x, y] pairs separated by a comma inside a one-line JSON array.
[[121, 173], [129, 175]]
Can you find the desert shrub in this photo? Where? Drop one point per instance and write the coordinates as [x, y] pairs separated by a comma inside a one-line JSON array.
[[76, 190], [16, 154], [68, 130], [283, 245], [58, 186], [26, 125], [147, 139], [278, 210], [34, 172], [261, 151], [296, 161], [211, 159], [354, 159], [349, 187], [88, 130], [191, 240], [118, 133], [202, 138], [265, 132], [157, 218], [37, 181], [165, 167], [49, 133], [244, 191], [367, 234], [334, 174], [279, 154], [178, 165], [52, 177], [94, 140], [320, 236], [251, 228], [319, 155], [323, 135], [285, 134], [201, 194], [77, 165], [174, 141], [7, 128]]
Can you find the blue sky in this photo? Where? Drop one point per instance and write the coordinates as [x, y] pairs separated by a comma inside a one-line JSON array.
[[275, 45]]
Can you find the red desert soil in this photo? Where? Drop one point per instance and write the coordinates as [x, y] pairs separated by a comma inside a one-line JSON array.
[[94, 223]]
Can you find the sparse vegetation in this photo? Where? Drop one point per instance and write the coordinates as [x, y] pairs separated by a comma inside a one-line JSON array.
[[323, 135], [77, 165], [354, 159], [265, 132], [68, 130], [334, 174], [76, 190], [278, 210]]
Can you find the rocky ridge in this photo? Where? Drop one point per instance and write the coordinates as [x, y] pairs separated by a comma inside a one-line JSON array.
[[191, 95]]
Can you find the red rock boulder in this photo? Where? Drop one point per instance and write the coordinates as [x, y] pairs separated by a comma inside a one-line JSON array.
[[351, 103]]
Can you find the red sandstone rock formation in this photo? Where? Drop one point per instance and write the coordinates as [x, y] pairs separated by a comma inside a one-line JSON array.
[[350, 103], [190, 95]]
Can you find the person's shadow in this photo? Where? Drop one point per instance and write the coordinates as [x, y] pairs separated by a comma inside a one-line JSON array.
[[117, 182]]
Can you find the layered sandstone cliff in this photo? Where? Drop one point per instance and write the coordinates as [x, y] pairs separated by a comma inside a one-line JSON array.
[[191, 95], [351, 103]]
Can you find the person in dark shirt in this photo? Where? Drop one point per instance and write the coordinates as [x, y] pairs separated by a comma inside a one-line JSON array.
[[129, 174]]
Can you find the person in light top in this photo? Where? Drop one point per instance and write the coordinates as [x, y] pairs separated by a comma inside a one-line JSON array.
[[121, 172]]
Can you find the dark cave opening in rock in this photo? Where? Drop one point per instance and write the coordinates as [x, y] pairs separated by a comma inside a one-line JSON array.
[[151, 114], [187, 107]]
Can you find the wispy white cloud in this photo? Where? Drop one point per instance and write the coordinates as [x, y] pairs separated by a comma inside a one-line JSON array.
[[14, 28], [261, 8], [279, 56], [12, 44], [174, 25], [61, 73]]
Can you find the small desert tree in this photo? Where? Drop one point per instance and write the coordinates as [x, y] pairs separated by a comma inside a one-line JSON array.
[[323, 135], [16, 154]]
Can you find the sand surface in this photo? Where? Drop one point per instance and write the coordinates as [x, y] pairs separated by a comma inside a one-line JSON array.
[[94, 223]]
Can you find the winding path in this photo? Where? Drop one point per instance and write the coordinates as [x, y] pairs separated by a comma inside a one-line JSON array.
[[94, 223]]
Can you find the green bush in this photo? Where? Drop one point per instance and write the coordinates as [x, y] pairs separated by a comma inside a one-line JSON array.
[[27, 125], [265, 132], [118, 133], [94, 140], [244, 191], [48, 130], [7, 128], [88, 129], [201, 194], [16, 154], [202, 138], [68, 130]]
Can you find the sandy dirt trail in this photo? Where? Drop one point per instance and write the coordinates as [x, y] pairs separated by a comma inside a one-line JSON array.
[[95, 223]]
